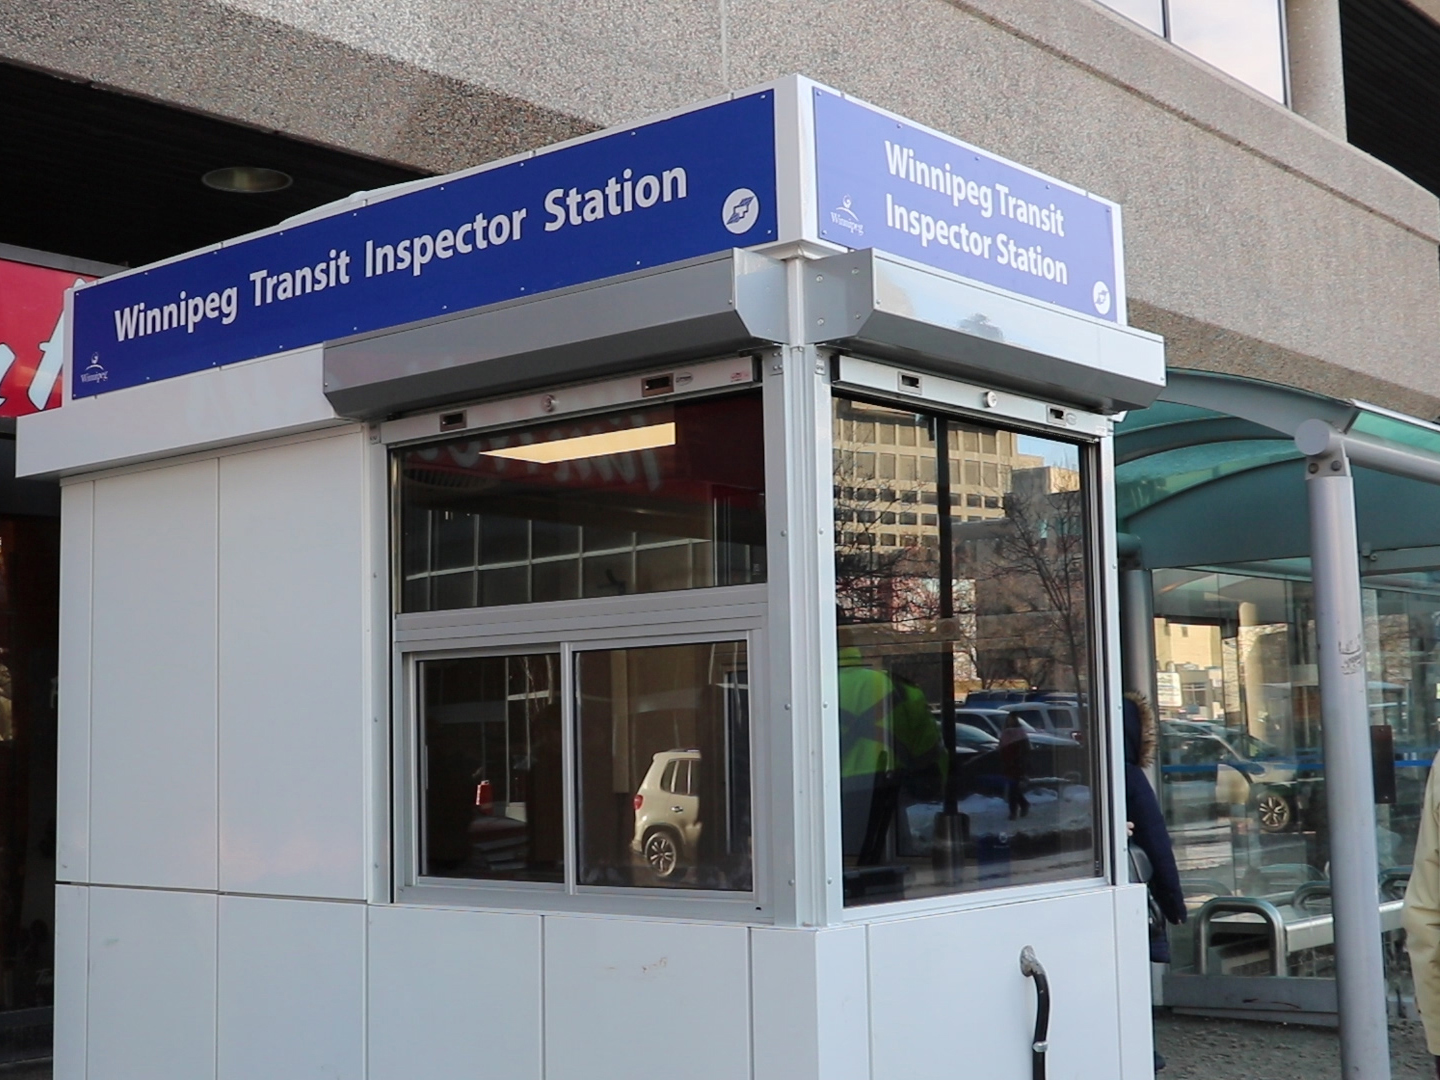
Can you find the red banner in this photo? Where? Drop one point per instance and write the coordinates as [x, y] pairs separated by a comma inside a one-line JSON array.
[[32, 299]]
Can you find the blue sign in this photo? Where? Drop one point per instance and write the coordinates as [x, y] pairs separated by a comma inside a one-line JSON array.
[[886, 183], [690, 185]]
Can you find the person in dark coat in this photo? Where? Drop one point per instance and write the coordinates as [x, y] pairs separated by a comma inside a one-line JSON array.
[[1147, 828], [1148, 832]]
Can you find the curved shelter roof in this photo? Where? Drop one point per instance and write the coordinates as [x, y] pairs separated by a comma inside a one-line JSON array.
[[1210, 475]]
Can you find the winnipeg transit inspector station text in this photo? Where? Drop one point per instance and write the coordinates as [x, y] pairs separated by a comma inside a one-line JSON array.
[[990, 200], [563, 208]]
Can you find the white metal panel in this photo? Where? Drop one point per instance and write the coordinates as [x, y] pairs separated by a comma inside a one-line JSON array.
[[810, 1004], [151, 1004], [152, 722], [72, 794], [645, 1000], [72, 962], [292, 670], [1132, 976], [292, 990], [947, 989], [276, 395], [453, 994]]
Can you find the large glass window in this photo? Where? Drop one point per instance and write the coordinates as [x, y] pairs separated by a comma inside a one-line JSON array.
[[1243, 38], [964, 645], [664, 738], [1240, 750], [645, 500]]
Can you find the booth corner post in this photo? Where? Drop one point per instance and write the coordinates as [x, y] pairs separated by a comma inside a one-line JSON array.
[[1340, 636]]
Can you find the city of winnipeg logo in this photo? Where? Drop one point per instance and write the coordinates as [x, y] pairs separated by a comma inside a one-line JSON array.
[[94, 371], [845, 218]]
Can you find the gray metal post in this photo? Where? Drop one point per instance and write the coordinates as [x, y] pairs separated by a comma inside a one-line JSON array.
[[1137, 644], [1137, 633], [1349, 789]]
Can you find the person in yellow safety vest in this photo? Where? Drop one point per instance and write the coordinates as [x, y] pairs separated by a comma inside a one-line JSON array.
[[890, 745]]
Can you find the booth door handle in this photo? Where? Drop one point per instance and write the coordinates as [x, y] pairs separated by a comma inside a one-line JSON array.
[[1031, 968]]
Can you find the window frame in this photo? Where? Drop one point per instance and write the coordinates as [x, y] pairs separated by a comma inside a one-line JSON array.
[[897, 386], [739, 618], [566, 627]]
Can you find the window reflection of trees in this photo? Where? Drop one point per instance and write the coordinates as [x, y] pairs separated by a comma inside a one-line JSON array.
[[1018, 585]]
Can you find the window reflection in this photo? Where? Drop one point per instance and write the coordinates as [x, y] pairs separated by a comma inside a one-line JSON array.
[[646, 500], [664, 760], [964, 656], [1240, 37], [493, 798], [1148, 13], [1241, 755], [1243, 38]]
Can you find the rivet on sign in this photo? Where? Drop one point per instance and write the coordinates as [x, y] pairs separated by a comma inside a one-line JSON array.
[[1335, 465], [1314, 468]]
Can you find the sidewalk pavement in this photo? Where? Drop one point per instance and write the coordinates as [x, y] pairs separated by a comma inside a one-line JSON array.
[[1198, 1049]]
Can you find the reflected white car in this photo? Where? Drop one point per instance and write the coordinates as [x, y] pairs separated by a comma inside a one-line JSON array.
[[667, 813]]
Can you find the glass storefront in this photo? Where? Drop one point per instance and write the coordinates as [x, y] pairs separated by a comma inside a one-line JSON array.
[[29, 608], [1241, 761]]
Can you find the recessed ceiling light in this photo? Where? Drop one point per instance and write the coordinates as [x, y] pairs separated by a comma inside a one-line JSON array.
[[247, 180], [651, 437]]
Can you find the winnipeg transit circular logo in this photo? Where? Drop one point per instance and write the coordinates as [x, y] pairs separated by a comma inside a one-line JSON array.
[[741, 210], [1101, 296]]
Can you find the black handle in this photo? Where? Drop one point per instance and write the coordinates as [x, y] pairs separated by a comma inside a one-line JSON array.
[[1031, 968]]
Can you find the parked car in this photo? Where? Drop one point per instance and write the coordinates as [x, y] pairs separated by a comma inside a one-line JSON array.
[[1204, 772], [1053, 754], [667, 813], [1057, 717], [992, 722]]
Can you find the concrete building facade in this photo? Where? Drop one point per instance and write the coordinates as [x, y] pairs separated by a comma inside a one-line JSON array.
[[1259, 242]]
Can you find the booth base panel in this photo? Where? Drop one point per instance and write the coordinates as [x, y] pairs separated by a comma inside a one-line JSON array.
[[185, 985]]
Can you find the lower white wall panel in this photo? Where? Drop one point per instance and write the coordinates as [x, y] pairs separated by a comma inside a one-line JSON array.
[[72, 961], [1132, 952], [291, 990], [292, 670], [151, 1001], [152, 716], [72, 809], [947, 997], [453, 994], [811, 1009], [642, 1000]]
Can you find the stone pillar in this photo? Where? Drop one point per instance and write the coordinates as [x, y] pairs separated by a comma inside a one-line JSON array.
[[1317, 74]]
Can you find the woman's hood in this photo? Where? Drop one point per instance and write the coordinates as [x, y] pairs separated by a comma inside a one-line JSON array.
[[1139, 730]]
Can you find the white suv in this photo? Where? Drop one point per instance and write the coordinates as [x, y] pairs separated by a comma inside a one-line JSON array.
[[667, 813]]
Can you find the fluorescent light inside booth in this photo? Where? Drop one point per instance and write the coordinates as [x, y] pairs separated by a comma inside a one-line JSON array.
[[588, 446]]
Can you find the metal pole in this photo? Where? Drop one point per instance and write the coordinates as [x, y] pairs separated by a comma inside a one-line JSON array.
[[1137, 644], [1137, 633], [1349, 788]]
